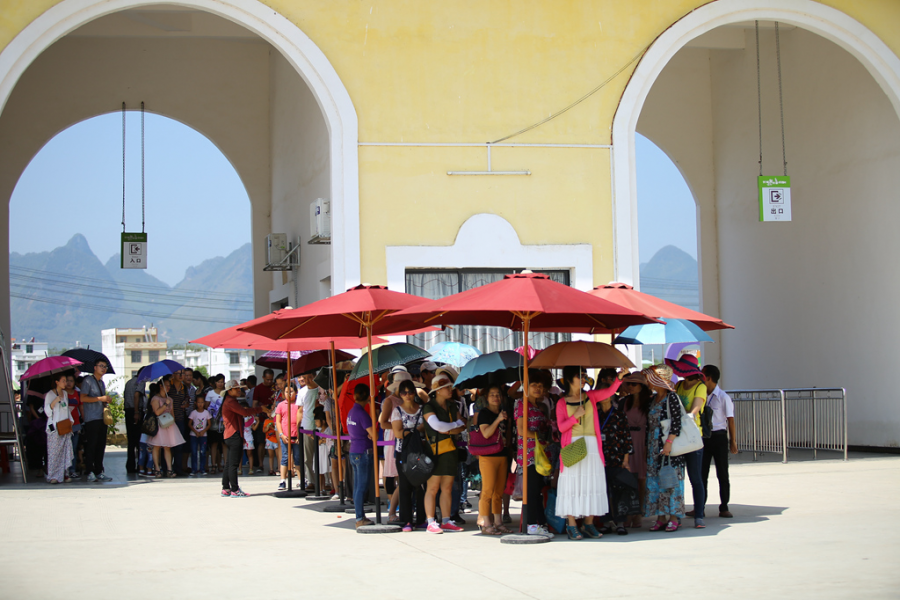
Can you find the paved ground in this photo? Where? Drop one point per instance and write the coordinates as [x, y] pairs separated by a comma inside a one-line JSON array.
[[824, 529]]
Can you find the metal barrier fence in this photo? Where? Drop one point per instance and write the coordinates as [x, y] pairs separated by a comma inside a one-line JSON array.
[[773, 421]]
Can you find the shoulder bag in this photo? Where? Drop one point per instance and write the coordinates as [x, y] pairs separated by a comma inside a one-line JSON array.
[[574, 452], [150, 426], [689, 440], [64, 426], [417, 464], [482, 446]]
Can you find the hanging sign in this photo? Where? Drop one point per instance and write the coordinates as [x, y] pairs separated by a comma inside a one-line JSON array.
[[134, 250], [774, 198]]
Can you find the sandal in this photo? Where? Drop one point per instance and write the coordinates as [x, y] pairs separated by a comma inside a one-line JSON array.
[[620, 530], [672, 526], [590, 531], [489, 530], [503, 529], [605, 529], [657, 525], [171, 475], [573, 532]]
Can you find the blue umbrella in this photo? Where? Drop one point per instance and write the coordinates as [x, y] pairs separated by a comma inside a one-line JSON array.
[[495, 367], [453, 353], [158, 369], [673, 331]]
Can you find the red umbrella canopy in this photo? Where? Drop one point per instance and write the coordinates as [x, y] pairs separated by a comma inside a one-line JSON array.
[[625, 295], [233, 337], [548, 305], [302, 362], [346, 314]]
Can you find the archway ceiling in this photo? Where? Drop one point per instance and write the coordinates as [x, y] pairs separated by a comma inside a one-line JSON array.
[[165, 21]]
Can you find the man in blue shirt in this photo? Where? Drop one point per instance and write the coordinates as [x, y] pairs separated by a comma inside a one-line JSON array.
[[94, 399], [361, 431]]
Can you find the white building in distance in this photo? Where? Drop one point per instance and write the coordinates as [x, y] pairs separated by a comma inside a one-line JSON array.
[[234, 364]]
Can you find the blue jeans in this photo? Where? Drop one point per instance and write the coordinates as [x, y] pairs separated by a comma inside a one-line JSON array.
[[295, 450], [460, 489], [693, 464], [198, 453], [362, 478], [146, 458]]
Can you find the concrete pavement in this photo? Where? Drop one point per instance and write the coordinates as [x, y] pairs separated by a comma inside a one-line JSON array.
[[823, 529]]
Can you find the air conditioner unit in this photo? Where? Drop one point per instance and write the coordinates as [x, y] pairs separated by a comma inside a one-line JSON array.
[[320, 221], [276, 248]]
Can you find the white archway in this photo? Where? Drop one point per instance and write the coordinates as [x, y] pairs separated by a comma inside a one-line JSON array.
[[832, 24], [303, 55]]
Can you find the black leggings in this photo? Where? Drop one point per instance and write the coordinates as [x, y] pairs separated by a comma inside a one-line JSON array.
[[411, 496], [535, 497], [234, 449]]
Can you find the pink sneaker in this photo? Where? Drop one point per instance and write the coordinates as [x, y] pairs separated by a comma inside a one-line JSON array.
[[407, 528], [451, 526], [433, 527]]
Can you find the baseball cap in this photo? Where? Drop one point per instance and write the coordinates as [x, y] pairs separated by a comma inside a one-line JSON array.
[[234, 383], [428, 366]]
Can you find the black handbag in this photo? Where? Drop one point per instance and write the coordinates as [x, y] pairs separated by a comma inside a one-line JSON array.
[[150, 425], [416, 461], [706, 422]]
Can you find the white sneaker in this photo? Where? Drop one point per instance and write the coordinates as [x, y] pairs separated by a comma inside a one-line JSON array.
[[104, 477], [335, 497], [534, 530], [544, 531], [91, 477]]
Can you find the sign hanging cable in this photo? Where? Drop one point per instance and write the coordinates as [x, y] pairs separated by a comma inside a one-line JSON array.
[[143, 187], [123, 167], [780, 96], [759, 99]]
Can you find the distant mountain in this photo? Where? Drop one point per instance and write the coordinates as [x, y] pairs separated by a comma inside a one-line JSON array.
[[672, 274], [67, 296]]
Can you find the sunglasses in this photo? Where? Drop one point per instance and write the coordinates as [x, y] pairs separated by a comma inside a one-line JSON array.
[[407, 393]]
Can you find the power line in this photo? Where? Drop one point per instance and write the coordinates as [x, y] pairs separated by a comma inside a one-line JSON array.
[[110, 310], [143, 296], [107, 282], [18, 287]]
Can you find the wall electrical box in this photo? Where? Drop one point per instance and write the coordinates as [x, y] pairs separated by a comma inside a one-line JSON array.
[[320, 221], [277, 250]]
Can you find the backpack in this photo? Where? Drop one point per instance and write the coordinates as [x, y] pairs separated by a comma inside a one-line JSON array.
[[416, 461]]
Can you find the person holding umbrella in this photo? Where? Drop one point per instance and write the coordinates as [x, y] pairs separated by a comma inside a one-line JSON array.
[[581, 491], [59, 431], [233, 416]]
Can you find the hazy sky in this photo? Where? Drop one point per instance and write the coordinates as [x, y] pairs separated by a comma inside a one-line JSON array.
[[196, 204]]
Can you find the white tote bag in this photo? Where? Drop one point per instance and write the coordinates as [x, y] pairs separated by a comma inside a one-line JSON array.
[[689, 439]]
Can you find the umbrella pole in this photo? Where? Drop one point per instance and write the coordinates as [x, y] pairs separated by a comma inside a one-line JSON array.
[[523, 525], [377, 498], [290, 452], [338, 424]]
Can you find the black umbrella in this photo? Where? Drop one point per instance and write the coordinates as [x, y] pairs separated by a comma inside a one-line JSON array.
[[88, 357]]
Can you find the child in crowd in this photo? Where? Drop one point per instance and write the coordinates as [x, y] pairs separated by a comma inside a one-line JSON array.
[[199, 423], [324, 447], [250, 424], [271, 439]]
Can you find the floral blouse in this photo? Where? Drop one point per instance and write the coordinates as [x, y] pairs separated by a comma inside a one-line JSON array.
[[616, 436], [537, 422]]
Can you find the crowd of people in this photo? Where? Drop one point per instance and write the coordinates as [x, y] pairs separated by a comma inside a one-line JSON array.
[[598, 455]]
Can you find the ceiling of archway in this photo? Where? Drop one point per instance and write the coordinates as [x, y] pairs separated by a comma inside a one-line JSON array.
[[165, 21]]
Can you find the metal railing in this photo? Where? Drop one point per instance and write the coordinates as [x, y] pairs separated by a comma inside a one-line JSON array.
[[776, 420]]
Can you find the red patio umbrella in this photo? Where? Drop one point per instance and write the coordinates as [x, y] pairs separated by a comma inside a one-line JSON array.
[[358, 312], [625, 295], [304, 361], [522, 302], [233, 337]]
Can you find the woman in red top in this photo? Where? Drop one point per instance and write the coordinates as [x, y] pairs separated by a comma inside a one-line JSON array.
[[233, 417]]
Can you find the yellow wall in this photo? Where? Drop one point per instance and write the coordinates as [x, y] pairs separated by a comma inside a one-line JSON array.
[[476, 71]]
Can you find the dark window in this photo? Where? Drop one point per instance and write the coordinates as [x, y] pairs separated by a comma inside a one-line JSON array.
[[438, 283], [153, 355], [137, 356]]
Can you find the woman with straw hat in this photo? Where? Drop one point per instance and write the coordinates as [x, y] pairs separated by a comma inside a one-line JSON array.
[[665, 495], [442, 422], [636, 405]]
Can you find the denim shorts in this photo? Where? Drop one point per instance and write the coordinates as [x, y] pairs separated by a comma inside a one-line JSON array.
[[295, 447]]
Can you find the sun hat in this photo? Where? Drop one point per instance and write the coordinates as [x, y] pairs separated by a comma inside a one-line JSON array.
[[685, 366], [636, 377], [399, 368], [428, 366], [657, 376], [440, 382], [448, 371], [234, 383], [400, 377]]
